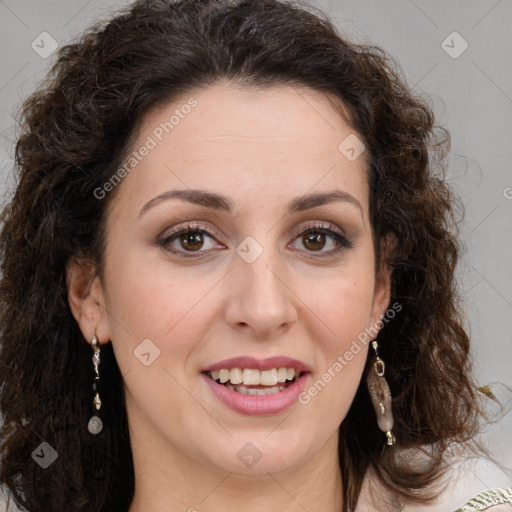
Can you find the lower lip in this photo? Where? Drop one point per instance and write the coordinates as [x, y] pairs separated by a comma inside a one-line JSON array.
[[258, 404]]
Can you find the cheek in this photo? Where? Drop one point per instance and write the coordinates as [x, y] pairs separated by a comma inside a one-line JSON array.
[[151, 301], [344, 304], [148, 298], [140, 293], [344, 309]]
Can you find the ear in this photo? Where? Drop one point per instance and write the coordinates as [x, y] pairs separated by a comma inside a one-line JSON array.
[[86, 299], [382, 292]]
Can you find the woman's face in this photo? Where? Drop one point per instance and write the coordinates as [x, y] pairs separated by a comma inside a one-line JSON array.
[[258, 288]]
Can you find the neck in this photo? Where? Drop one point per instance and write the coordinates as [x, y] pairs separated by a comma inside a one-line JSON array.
[[176, 482]]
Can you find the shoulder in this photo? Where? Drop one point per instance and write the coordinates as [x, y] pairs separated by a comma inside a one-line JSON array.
[[475, 483], [471, 483]]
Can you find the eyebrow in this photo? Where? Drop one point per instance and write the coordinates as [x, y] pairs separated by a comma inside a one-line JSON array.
[[222, 203]]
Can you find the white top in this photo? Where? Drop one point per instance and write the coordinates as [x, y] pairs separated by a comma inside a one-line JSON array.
[[472, 483]]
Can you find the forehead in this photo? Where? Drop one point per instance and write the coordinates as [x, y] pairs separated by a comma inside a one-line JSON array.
[[275, 141], [275, 115]]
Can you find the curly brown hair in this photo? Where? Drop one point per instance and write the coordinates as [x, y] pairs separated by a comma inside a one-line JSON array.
[[76, 130]]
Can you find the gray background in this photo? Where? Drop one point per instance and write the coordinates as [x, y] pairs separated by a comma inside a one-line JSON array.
[[472, 97]]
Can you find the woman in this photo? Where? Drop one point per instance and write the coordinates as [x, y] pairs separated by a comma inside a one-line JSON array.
[[228, 277]]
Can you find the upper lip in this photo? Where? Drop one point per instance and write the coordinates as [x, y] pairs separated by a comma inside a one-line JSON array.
[[259, 364]]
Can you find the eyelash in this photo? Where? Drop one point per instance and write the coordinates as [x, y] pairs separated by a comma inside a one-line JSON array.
[[343, 242]]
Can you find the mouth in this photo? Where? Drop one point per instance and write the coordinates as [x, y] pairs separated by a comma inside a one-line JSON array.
[[252, 381], [253, 386]]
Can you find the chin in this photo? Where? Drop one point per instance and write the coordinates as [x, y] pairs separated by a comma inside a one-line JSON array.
[[261, 453]]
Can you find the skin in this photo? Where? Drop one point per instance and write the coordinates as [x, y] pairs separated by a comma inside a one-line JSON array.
[[261, 149]]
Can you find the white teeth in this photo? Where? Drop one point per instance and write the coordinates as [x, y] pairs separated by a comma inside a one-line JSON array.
[[253, 377], [236, 376], [268, 377], [253, 391]]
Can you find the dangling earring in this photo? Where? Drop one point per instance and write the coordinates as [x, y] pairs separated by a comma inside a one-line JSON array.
[[381, 396], [95, 425]]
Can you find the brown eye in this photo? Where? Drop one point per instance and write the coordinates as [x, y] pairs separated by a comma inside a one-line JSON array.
[[323, 240], [191, 241], [314, 241]]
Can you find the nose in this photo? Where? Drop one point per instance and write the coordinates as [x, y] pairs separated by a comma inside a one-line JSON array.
[[261, 298]]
